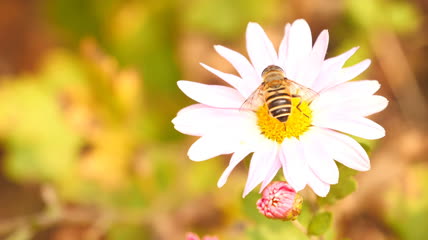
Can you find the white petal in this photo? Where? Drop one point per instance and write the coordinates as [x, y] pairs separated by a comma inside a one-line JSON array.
[[295, 165], [357, 126], [272, 173], [191, 108], [200, 119], [283, 47], [330, 70], [364, 106], [350, 73], [343, 92], [231, 79], [260, 164], [184, 124], [299, 47], [212, 95], [260, 48], [368, 106], [346, 150], [209, 146], [311, 67], [225, 135], [340, 60], [320, 188], [318, 158], [241, 64], [244, 86], [354, 89], [236, 158]]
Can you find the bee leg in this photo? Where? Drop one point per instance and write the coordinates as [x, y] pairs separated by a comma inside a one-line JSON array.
[[298, 107], [300, 102]]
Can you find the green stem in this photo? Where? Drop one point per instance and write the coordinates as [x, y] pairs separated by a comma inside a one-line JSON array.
[[302, 228], [299, 226]]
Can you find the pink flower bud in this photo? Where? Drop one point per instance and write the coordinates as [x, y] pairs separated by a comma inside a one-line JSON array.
[[193, 236], [280, 201], [210, 238]]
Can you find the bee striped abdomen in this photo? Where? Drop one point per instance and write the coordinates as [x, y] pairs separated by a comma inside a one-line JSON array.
[[279, 103]]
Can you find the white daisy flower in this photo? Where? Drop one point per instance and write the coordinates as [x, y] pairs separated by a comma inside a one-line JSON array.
[[306, 145]]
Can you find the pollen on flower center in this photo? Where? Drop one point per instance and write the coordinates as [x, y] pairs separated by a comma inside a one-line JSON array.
[[298, 122]]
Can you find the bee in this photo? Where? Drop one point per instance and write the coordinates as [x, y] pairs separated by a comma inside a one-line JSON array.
[[276, 91]]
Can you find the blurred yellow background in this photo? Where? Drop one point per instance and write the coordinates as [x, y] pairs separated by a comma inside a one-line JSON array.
[[88, 90]]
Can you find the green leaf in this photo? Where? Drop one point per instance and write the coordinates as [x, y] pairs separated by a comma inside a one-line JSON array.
[[305, 216], [320, 223], [367, 144], [343, 188]]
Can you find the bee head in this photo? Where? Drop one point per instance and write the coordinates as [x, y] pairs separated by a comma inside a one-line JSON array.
[[272, 69]]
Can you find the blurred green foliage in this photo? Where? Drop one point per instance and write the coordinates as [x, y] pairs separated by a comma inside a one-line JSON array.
[[399, 16], [227, 18], [406, 213], [94, 120]]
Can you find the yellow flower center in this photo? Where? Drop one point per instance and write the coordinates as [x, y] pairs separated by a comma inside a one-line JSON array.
[[298, 122]]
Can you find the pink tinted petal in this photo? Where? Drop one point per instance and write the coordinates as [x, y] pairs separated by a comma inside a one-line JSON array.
[[260, 48], [241, 64], [345, 150], [260, 164], [295, 165], [212, 95], [318, 158], [354, 125], [299, 47], [350, 73], [310, 69], [272, 173], [234, 160], [209, 146], [283, 47], [343, 92], [330, 70], [318, 186]]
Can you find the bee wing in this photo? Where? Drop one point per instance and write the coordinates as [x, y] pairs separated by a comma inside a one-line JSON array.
[[254, 101], [298, 90]]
